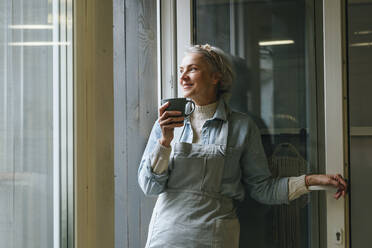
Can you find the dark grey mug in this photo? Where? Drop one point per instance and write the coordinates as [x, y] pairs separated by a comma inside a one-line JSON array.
[[179, 104]]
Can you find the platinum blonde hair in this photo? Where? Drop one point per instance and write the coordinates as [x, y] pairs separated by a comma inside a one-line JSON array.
[[219, 62]]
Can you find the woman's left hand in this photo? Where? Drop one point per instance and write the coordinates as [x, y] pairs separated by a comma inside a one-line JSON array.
[[328, 180]]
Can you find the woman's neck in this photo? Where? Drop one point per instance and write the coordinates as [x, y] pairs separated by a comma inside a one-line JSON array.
[[208, 109], [205, 101]]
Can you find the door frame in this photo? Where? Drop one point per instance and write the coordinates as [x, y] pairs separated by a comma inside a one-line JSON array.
[[335, 116], [331, 72]]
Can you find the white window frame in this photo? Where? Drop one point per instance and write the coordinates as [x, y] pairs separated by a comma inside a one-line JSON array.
[[167, 48], [174, 36], [334, 91], [63, 120], [334, 118]]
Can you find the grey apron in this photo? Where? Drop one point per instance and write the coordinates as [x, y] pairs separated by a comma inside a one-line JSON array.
[[191, 213]]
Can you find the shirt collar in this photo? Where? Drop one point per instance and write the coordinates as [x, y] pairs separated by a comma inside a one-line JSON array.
[[222, 110]]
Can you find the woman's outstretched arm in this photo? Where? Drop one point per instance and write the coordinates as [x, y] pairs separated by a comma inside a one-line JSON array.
[[265, 189], [256, 175]]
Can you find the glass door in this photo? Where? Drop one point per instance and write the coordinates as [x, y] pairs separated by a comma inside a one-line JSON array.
[[272, 47], [359, 40], [36, 135]]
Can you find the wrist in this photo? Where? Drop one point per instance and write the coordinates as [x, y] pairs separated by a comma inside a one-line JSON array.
[[164, 142], [308, 180]]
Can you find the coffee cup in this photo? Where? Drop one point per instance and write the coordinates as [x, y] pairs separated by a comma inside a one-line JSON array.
[[179, 104]]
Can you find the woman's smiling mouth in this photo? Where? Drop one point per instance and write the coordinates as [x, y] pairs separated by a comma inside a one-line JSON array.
[[187, 85]]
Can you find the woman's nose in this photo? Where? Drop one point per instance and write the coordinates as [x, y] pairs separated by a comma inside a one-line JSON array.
[[183, 76]]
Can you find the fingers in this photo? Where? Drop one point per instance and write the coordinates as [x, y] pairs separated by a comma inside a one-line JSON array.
[[173, 125], [341, 180], [163, 108], [171, 120], [341, 185], [337, 195], [167, 114], [168, 120], [333, 181]]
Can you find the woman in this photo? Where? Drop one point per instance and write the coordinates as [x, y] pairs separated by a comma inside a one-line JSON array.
[[199, 170]]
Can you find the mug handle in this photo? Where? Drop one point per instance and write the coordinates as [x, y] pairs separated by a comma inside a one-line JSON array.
[[193, 107]]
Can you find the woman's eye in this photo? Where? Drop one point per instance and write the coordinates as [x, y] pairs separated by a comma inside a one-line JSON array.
[[193, 69]]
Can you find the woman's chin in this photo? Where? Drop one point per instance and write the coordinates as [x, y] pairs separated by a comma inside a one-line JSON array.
[[187, 94]]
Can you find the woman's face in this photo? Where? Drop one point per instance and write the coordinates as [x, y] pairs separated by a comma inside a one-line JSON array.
[[197, 79]]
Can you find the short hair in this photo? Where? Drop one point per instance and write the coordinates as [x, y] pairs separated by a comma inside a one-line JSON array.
[[219, 62]]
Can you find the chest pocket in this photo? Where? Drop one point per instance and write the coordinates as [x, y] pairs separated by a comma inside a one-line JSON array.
[[196, 167]]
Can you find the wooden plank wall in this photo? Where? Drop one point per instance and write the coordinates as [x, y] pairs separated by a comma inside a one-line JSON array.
[[94, 124], [135, 93]]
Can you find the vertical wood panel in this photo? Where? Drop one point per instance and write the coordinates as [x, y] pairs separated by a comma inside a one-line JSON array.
[[132, 106], [147, 96], [94, 124], [104, 133], [121, 169], [80, 116], [135, 112]]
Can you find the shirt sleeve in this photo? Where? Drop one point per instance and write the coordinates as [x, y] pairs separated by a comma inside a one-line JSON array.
[[150, 182], [296, 187], [160, 158], [256, 175]]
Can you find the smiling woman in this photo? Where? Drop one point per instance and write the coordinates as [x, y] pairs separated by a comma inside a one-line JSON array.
[[197, 80], [205, 71], [199, 180]]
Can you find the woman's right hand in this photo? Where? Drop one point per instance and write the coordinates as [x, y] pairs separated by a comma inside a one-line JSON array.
[[168, 120], [335, 180]]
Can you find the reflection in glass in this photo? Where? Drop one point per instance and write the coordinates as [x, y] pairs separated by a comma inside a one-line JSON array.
[[271, 44], [360, 88], [30, 136]]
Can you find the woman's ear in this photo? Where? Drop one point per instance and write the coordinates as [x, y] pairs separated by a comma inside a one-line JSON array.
[[216, 77]]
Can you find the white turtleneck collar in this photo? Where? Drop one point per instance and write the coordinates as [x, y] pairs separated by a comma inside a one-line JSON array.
[[199, 116]]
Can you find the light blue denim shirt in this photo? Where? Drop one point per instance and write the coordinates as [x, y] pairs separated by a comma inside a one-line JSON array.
[[246, 167]]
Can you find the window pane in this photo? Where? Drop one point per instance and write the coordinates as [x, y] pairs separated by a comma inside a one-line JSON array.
[[360, 119], [271, 44], [30, 133]]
